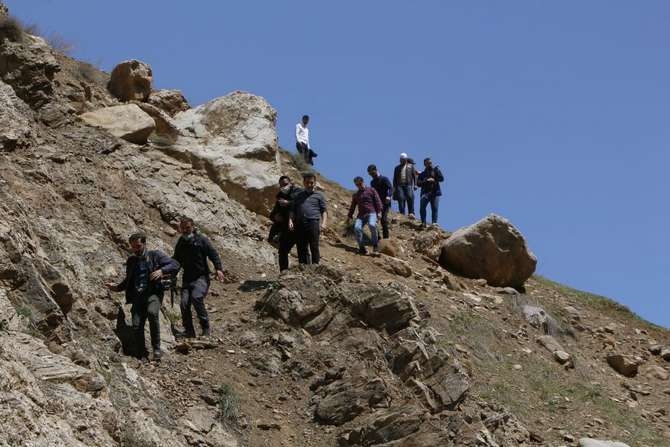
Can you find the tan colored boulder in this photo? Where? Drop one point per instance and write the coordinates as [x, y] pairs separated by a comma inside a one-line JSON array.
[[126, 121], [623, 364], [492, 249], [656, 372], [170, 101], [131, 80], [234, 138]]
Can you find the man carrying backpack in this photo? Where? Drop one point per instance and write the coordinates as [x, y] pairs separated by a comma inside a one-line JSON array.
[[429, 181], [144, 270], [192, 251]]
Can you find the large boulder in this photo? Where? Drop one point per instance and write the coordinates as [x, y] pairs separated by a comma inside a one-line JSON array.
[[126, 121], [492, 249], [170, 101], [15, 122], [131, 80], [234, 139]]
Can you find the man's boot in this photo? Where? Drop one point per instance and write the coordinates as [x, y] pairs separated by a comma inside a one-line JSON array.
[[157, 354], [206, 331]]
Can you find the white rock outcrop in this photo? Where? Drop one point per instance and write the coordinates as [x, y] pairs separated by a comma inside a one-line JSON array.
[[234, 138]]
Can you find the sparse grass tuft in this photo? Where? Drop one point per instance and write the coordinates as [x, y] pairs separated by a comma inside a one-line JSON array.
[[229, 403], [24, 311], [10, 29], [598, 303], [300, 163]]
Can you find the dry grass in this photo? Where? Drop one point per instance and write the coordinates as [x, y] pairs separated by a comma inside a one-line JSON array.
[[10, 29]]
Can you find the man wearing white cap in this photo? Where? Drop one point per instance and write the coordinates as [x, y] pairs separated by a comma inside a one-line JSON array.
[[404, 182]]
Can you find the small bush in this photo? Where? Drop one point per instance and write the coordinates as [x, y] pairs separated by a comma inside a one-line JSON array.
[[300, 163], [24, 312], [229, 403], [10, 29]]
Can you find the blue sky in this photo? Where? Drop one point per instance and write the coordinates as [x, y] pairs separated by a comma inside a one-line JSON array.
[[552, 114]]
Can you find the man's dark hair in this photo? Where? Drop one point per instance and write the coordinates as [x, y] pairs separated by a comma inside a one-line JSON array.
[[284, 177], [358, 178], [187, 220], [138, 237], [426, 159], [306, 175], [372, 168], [305, 117]]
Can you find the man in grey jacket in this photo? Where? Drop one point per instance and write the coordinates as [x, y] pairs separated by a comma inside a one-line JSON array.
[[144, 270]]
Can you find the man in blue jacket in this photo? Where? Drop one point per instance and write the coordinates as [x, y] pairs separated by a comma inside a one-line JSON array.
[[192, 251], [142, 284], [429, 181]]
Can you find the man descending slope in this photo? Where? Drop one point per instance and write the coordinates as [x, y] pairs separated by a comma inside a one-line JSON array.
[[429, 181], [144, 270], [404, 181], [369, 207], [308, 218], [280, 216], [384, 188], [302, 140], [192, 251]]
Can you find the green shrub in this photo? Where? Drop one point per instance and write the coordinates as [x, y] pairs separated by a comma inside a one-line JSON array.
[[229, 403]]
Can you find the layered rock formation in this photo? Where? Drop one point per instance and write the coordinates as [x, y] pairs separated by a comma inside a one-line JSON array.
[[357, 352]]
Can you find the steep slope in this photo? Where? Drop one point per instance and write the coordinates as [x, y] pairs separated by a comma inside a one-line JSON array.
[[392, 350]]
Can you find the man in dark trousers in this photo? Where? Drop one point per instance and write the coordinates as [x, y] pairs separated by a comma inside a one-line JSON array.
[[192, 251], [308, 218], [280, 216], [302, 140], [404, 181], [144, 270], [384, 188], [429, 181], [369, 207]]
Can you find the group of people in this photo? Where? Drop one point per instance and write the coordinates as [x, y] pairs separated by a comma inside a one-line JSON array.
[[150, 273], [299, 214]]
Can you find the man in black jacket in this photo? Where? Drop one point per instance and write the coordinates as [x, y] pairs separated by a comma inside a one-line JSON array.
[[280, 216], [144, 270], [192, 251], [384, 188]]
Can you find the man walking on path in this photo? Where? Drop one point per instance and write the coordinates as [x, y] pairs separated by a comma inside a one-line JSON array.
[[280, 216], [308, 218], [404, 181], [429, 181], [192, 251], [302, 140], [369, 207], [144, 270], [384, 188]]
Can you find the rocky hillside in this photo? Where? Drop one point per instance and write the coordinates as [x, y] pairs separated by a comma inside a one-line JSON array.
[[443, 340]]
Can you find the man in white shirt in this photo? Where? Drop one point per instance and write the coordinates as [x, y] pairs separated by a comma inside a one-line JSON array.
[[302, 140]]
